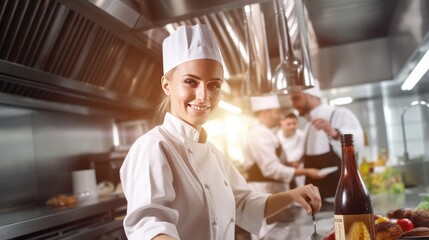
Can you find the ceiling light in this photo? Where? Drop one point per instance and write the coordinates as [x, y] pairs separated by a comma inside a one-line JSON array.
[[229, 107], [419, 70], [341, 101]]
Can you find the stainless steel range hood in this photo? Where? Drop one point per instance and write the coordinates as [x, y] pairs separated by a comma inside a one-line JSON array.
[[105, 56]]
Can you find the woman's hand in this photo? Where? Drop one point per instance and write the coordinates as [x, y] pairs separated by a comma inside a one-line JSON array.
[[303, 194], [278, 201]]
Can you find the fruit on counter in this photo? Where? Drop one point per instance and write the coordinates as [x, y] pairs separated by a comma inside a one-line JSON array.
[[387, 231], [398, 223], [410, 222], [405, 223], [419, 218]]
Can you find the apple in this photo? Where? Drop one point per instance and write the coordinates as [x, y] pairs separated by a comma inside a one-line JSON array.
[[405, 224]]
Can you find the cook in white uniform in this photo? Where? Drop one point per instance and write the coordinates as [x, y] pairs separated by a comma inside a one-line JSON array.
[[291, 140], [262, 151], [322, 142], [178, 185]]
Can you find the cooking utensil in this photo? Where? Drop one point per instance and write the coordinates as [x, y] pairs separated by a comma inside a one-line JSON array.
[[315, 235]]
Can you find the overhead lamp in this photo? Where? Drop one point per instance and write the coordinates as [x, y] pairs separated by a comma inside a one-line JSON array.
[[417, 73], [289, 74]]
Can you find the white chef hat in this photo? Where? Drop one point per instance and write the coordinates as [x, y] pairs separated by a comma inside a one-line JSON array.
[[259, 103], [315, 91], [189, 43]]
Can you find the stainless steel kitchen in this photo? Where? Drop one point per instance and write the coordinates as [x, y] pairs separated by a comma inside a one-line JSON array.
[[81, 82]]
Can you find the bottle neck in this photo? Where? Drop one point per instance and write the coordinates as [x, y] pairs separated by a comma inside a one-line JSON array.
[[348, 158]]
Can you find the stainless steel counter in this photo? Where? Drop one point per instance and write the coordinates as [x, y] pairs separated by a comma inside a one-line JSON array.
[[299, 225], [22, 221]]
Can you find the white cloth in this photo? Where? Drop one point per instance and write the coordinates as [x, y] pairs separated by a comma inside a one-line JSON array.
[[189, 43], [293, 149], [188, 190], [343, 119], [293, 146]]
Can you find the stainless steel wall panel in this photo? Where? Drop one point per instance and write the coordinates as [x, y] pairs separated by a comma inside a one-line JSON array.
[[62, 143], [18, 179], [40, 149], [353, 64]]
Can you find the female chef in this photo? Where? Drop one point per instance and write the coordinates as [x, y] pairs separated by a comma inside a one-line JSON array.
[[178, 185]]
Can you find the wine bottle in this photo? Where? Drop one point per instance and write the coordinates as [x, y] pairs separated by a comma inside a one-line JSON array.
[[353, 213]]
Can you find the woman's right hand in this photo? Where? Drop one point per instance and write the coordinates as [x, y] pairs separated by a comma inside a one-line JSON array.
[[279, 201], [303, 194]]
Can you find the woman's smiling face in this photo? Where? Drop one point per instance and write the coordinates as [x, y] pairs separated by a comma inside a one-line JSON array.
[[194, 90]]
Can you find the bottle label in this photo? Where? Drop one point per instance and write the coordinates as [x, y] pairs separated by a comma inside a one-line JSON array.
[[354, 227]]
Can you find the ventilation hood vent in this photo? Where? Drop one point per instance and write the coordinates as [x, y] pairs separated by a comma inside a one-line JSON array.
[[53, 54]]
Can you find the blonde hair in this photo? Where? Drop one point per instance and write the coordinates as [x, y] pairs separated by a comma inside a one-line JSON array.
[[164, 105]]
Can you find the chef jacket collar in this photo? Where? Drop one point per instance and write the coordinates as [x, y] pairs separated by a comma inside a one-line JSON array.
[[186, 131]]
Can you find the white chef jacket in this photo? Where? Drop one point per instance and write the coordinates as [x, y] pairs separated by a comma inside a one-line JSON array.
[[188, 190], [343, 119], [260, 149], [293, 149], [293, 146]]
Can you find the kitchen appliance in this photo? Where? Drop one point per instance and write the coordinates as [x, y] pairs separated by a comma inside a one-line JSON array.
[[84, 184], [107, 165]]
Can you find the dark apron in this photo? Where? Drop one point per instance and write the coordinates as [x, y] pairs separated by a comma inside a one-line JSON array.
[[328, 185]]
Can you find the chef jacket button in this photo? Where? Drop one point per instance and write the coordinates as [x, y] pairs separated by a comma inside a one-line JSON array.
[[232, 220], [206, 186], [226, 183], [214, 223], [189, 150]]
